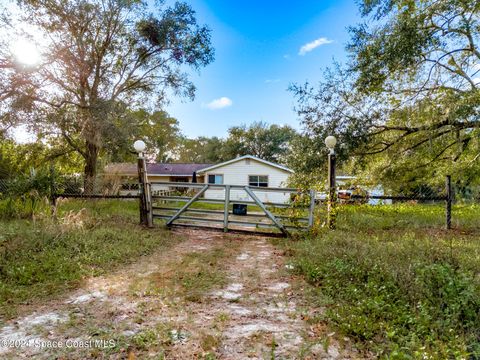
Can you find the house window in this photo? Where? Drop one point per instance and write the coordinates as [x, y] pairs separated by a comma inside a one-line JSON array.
[[258, 180], [215, 179]]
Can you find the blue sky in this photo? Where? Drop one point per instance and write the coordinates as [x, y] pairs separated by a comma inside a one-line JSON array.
[[258, 54]]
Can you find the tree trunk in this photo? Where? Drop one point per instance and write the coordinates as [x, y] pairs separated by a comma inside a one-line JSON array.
[[90, 171]]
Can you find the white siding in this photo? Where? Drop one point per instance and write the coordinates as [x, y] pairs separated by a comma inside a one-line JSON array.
[[237, 173], [157, 188]]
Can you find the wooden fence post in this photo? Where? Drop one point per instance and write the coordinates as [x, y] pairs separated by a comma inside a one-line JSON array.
[[226, 209], [332, 193], [448, 205], [148, 200], [142, 189]]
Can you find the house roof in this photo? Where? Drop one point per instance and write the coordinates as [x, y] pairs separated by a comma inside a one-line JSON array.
[[251, 157], [156, 169]]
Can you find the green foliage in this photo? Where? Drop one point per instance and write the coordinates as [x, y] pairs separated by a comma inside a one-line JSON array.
[[41, 259], [17, 159], [7, 163], [397, 284], [157, 129], [270, 143], [405, 106], [202, 150], [308, 158], [27, 195], [112, 53]]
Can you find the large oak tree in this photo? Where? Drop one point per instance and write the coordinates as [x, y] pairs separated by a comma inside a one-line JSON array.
[[97, 57], [268, 142], [410, 92]]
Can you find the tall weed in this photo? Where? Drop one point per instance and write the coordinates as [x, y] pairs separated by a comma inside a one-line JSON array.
[[402, 291]]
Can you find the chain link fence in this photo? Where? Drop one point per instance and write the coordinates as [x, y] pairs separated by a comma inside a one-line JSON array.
[[466, 194], [421, 194], [447, 198], [51, 186], [37, 193], [69, 186], [103, 186]]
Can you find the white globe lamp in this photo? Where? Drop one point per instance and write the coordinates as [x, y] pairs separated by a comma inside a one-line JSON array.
[[139, 146], [330, 141]]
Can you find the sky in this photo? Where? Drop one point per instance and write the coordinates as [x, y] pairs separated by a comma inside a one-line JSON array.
[[262, 46]]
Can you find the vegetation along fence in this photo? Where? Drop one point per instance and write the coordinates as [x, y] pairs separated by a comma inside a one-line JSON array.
[[446, 194], [228, 207]]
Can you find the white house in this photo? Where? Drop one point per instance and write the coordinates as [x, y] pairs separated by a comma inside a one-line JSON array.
[[244, 170], [159, 172], [247, 170]]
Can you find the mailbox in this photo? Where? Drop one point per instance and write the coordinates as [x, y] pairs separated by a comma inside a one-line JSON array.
[[239, 209]]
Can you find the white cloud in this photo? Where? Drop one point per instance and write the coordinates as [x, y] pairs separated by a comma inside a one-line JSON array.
[[271, 81], [313, 45], [220, 103]]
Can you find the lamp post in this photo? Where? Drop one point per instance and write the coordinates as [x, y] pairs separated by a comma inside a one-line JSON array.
[[144, 190], [330, 142]]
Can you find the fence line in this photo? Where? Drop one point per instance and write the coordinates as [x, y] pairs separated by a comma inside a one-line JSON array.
[[114, 187]]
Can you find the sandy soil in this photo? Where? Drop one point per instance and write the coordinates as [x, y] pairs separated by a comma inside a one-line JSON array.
[[259, 312]]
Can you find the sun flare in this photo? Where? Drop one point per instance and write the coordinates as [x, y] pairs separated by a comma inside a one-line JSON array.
[[25, 52]]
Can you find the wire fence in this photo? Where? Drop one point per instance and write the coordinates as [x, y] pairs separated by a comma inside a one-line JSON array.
[[349, 191], [99, 187], [421, 194], [69, 187], [417, 194]]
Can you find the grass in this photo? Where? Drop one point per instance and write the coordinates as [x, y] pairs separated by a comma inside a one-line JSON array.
[[45, 257], [392, 279], [207, 206], [194, 275], [189, 279]]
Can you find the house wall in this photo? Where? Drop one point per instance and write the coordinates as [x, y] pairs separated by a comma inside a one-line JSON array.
[[157, 187], [237, 174]]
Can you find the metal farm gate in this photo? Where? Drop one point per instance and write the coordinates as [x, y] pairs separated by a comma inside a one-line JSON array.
[[231, 207]]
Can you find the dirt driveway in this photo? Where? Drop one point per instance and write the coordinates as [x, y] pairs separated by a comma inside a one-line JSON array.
[[211, 296]]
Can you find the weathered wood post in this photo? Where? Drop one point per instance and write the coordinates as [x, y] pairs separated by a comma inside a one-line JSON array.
[[141, 189], [448, 202], [146, 216], [226, 209], [148, 197], [330, 141]]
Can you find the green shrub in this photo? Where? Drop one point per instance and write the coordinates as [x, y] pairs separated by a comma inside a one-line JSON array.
[[26, 195], [402, 292]]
